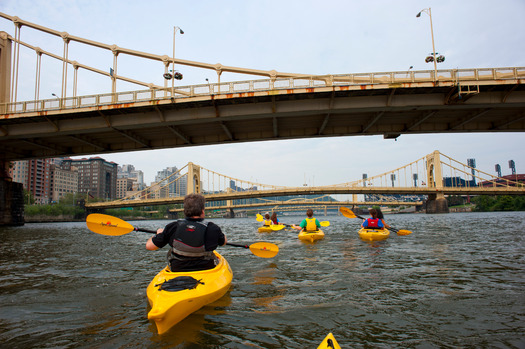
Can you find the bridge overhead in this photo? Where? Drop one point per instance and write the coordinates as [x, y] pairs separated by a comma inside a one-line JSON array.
[[388, 104], [282, 106]]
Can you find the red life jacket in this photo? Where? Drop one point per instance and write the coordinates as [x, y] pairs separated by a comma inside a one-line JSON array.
[[374, 223]]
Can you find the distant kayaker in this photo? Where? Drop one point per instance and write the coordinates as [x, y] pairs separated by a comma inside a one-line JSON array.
[[274, 219], [374, 222], [381, 217], [309, 223], [192, 239], [267, 221]]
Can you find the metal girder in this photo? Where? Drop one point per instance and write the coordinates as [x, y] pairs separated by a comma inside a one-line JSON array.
[[179, 134], [327, 116], [504, 99], [420, 120], [161, 114], [226, 130], [520, 117], [135, 138], [275, 127], [89, 141], [52, 123], [53, 147], [469, 119], [373, 121]]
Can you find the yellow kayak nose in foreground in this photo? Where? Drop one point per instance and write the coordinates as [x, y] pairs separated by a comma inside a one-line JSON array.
[[170, 304]]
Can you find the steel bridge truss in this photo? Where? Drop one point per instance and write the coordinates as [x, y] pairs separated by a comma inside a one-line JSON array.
[[431, 174]]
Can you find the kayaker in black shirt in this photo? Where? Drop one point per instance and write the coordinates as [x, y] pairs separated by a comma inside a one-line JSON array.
[[192, 239]]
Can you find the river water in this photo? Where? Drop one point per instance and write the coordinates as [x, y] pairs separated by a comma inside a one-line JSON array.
[[457, 282]]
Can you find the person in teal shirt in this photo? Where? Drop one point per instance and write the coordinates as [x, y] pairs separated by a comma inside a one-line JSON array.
[[309, 223]]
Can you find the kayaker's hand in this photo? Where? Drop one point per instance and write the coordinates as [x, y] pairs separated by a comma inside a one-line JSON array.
[[160, 230]]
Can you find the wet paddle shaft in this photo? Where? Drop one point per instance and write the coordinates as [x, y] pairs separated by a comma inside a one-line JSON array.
[[113, 226]]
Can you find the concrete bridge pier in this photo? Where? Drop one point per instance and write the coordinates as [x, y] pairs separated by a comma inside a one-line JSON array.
[[11, 199], [172, 215], [437, 203], [229, 213]]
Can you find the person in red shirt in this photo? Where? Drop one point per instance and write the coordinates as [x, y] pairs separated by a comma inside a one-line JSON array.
[[374, 222]]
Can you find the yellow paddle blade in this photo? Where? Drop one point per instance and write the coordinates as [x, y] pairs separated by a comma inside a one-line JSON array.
[[259, 218], [264, 249], [276, 227], [325, 224], [403, 232], [108, 225], [345, 211]]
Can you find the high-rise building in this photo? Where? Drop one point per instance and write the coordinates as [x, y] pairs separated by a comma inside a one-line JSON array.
[[169, 178], [19, 172], [129, 171], [96, 176], [63, 181], [34, 176], [124, 187]]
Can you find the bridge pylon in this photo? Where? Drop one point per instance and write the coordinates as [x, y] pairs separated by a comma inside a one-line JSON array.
[[229, 204], [436, 203], [194, 179], [5, 68]]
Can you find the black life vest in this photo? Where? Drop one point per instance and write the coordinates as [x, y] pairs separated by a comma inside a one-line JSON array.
[[189, 239]]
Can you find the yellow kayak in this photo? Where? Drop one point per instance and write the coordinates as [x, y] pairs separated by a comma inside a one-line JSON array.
[[175, 295], [373, 234], [311, 236], [270, 228], [329, 342]]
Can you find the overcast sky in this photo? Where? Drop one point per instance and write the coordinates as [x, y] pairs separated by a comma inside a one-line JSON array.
[[314, 37]]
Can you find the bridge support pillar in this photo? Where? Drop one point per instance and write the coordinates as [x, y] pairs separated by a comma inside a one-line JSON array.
[[194, 179], [437, 203], [5, 68], [172, 215], [229, 213], [11, 199]]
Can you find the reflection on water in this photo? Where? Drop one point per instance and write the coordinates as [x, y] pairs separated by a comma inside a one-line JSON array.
[[266, 303], [457, 281]]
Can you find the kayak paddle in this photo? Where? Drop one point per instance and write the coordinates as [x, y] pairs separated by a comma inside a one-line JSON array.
[[260, 218], [113, 226], [349, 214]]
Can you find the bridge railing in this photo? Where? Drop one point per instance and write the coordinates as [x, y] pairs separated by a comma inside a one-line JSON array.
[[470, 76]]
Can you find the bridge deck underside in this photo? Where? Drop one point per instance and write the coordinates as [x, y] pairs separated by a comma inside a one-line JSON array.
[[265, 115]]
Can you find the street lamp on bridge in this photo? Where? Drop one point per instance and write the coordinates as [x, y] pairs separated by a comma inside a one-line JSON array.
[[174, 76], [432, 58], [58, 99]]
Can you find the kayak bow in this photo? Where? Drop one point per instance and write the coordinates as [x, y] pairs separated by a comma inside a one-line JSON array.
[[171, 303]]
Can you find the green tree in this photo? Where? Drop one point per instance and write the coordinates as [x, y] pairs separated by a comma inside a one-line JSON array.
[[29, 199], [483, 203], [455, 200], [504, 203], [486, 203]]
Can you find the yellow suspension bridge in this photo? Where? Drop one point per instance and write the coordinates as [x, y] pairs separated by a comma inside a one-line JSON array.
[[433, 176]]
